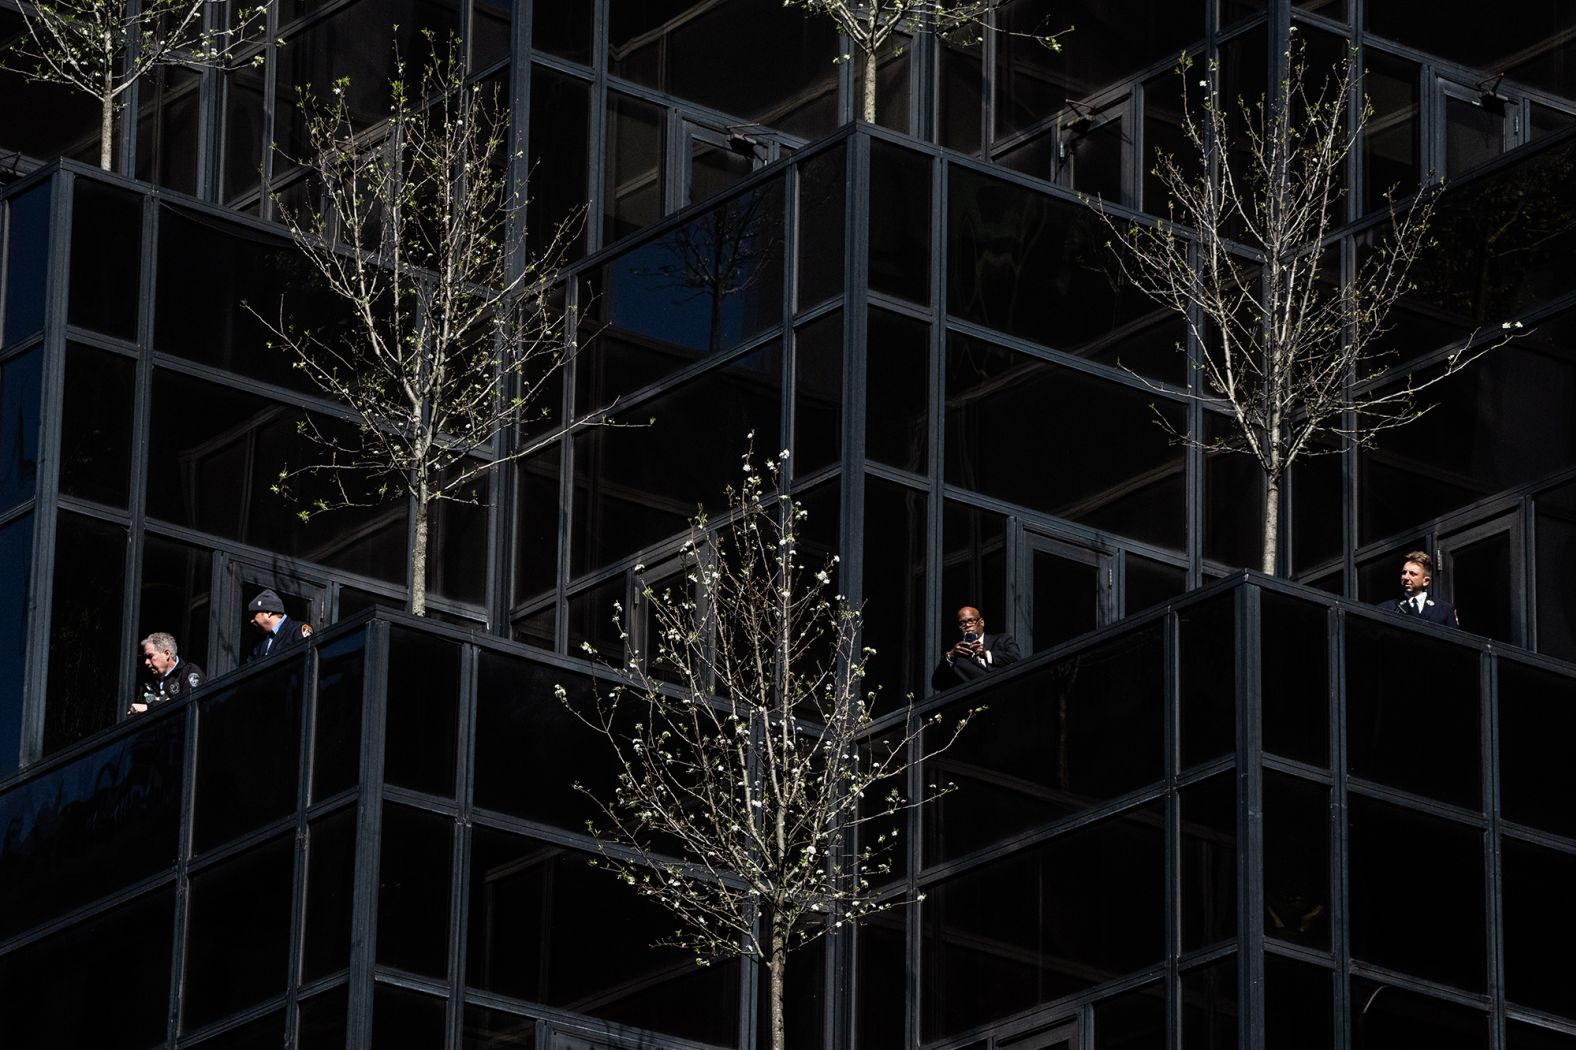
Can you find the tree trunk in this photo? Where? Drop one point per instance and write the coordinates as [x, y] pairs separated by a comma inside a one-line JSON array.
[[418, 556], [107, 119], [777, 966], [867, 87], [1271, 525]]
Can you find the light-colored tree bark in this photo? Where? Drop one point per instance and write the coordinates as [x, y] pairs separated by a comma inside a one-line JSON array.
[[1286, 352], [448, 341], [870, 26], [740, 738], [103, 47]]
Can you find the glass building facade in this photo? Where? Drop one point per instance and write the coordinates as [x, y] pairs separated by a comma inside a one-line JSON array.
[[1253, 814]]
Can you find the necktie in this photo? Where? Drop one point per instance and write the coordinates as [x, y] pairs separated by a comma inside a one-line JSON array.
[[1417, 606]]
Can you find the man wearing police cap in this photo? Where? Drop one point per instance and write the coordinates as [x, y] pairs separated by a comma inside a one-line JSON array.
[[279, 631]]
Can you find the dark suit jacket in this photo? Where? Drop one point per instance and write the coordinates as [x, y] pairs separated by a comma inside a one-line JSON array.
[[290, 632], [1003, 651], [1435, 610]]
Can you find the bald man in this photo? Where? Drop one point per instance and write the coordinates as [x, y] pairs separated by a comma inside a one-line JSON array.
[[976, 653]]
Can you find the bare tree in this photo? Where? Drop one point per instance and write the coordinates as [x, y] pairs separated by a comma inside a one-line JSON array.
[[871, 24], [103, 47], [1283, 347], [741, 741], [450, 339]]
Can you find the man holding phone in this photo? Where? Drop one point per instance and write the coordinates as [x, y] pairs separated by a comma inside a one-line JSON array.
[[976, 654]]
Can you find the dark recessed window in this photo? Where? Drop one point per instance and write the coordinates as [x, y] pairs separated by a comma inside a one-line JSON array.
[[84, 630], [1520, 1035], [633, 186], [818, 393], [1208, 900], [1413, 713], [1209, 1006], [1148, 582], [1295, 678], [536, 521], [413, 891], [336, 736], [167, 128], [406, 1018], [26, 268], [16, 563], [900, 221], [1208, 686], [1534, 882], [1407, 869], [19, 401], [264, 1033], [823, 187], [248, 754], [897, 413], [423, 712], [563, 28], [1384, 1017], [560, 184], [95, 433], [1134, 1020], [1296, 860], [177, 583], [881, 988], [1537, 712], [330, 894], [495, 1030], [973, 564], [322, 1020], [238, 933], [1299, 1004], [106, 257], [896, 545], [1234, 497]]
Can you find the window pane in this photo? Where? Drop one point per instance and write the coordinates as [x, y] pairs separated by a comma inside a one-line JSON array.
[[1474, 133], [106, 257], [1537, 715], [536, 520], [1067, 599], [1001, 403], [248, 754], [562, 28], [1555, 533], [1407, 869], [238, 933], [1295, 678], [336, 737], [900, 220], [322, 1020], [413, 891], [1208, 688], [1054, 742], [560, 145], [1209, 1006], [405, 1018], [26, 269], [1299, 1007], [818, 394], [632, 186], [16, 565], [1134, 1020], [495, 1030], [1296, 860], [19, 401], [1149, 582], [897, 414], [167, 134], [1537, 927], [95, 432], [973, 563], [1208, 899], [423, 712], [1531, 48], [822, 190], [1388, 712], [330, 893], [1384, 1017], [994, 943], [896, 546], [84, 630]]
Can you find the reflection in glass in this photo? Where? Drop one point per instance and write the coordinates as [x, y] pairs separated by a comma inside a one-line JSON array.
[[1413, 712], [1054, 741], [423, 712], [822, 188], [895, 548], [336, 735], [1296, 860], [897, 414], [900, 214], [19, 402], [1384, 1017], [1537, 926], [248, 754], [1537, 721], [1474, 133], [84, 630], [16, 564], [536, 521], [167, 128], [1044, 922], [26, 268], [95, 431], [632, 182], [1295, 678], [238, 933], [330, 892], [1409, 873], [1299, 1006], [1209, 1006], [413, 891], [1207, 692], [106, 256], [559, 150], [1208, 896], [818, 394]]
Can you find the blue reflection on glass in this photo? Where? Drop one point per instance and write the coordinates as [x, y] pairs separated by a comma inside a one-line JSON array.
[[19, 387], [16, 558], [27, 264]]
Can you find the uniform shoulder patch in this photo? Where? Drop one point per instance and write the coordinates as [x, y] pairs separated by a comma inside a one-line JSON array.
[[193, 679], [306, 630]]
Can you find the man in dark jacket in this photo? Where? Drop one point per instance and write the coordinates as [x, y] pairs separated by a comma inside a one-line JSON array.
[[976, 654], [279, 631], [1417, 573], [170, 676]]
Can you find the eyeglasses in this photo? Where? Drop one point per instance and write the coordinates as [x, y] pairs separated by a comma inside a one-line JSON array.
[[965, 621]]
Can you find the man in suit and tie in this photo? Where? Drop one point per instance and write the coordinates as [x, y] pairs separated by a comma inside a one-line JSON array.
[[976, 654], [1417, 574], [279, 630]]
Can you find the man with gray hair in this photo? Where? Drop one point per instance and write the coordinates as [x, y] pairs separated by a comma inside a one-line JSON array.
[[170, 675]]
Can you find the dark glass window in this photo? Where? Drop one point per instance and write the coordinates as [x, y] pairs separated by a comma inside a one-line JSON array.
[[221, 451], [994, 943], [1531, 48], [264, 1033], [413, 891], [900, 220], [1234, 496], [20, 378], [592, 630], [757, 62], [71, 990], [1413, 713], [897, 363], [1406, 870], [1474, 134], [537, 514], [1314, 488], [1299, 1006], [530, 905], [1295, 678], [881, 989], [823, 186], [1390, 139], [563, 28], [26, 269], [106, 257], [1148, 582], [457, 542], [818, 393], [423, 712], [245, 130], [1296, 860], [638, 485], [973, 562], [1134, 1020], [633, 187], [1537, 716], [1069, 592], [87, 828], [1039, 267], [1112, 40], [1520, 1035], [322, 1020], [336, 736], [167, 128], [1538, 929], [95, 432], [1165, 107], [1209, 1006], [1001, 405], [896, 545], [1385, 1017], [1065, 737], [707, 286], [1208, 900], [330, 893], [489, 32], [238, 933], [248, 754], [43, 120], [959, 109], [84, 630], [406, 1018], [16, 565], [176, 584], [560, 145], [530, 747], [1208, 686], [495, 1030]]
